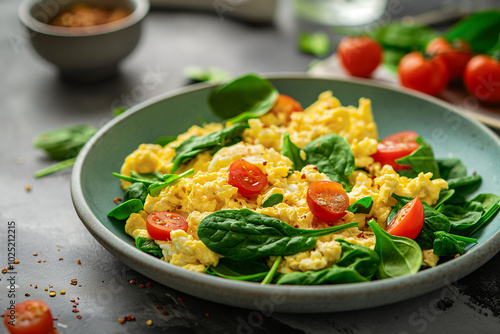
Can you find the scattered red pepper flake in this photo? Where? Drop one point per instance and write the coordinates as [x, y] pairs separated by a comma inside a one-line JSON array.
[[132, 281], [51, 286], [121, 321], [179, 207], [4, 271], [117, 199], [207, 314], [165, 313], [142, 286], [38, 261], [78, 316], [264, 163], [159, 307], [10, 267], [27, 294], [35, 254], [16, 261], [72, 300], [303, 176], [60, 259], [78, 261], [75, 310], [149, 284], [180, 300]]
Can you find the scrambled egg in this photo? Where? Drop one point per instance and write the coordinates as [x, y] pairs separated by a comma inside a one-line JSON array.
[[207, 190]]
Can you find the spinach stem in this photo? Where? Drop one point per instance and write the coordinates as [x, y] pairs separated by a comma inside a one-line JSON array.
[[462, 238], [270, 274], [56, 167]]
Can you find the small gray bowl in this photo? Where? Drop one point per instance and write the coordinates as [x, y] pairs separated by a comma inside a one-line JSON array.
[[83, 54]]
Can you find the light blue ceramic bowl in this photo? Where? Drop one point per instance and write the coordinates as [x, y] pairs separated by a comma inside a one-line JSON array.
[[448, 131]]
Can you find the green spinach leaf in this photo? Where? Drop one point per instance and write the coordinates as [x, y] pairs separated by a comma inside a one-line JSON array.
[[124, 210], [155, 188], [250, 270], [245, 234], [332, 155], [291, 151], [210, 142], [149, 246], [422, 159], [55, 167], [272, 200], [399, 256], [451, 168], [446, 244], [165, 140], [202, 74], [316, 43], [363, 205], [272, 272], [248, 96], [136, 190]]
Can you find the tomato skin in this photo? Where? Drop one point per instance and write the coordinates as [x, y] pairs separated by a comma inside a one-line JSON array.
[[284, 107], [482, 78], [426, 75], [455, 55], [160, 223], [409, 220], [359, 55], [31, 317], [327, 200], [394, 147], [247, 177]]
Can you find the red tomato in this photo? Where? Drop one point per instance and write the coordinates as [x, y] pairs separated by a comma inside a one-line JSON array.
[[482, 78], [427, 75], [159, 224], [29, 317], [394, 147], [327, 200], [409, 220], [284, 107], [247, 177], [455, 55], [360, 55]]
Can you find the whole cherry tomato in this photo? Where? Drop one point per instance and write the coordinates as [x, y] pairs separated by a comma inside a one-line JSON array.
[[427, 75], [247, 177], [160, 223], [482, 78], [327, 200], [29, 317], [396, 146], [360, 55], [455, 55], [409, 220]]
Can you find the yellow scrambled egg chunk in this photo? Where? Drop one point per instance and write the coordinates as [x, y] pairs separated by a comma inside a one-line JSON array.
[[207, 190]]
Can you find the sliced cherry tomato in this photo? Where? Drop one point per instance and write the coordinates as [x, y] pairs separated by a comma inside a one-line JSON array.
[[394, 147], [327, 200], [247, 177], [284, 107], [159, 224], [29, 317], [427, 75], [455, 55], [482, 78], [409, 220], [360, 55]]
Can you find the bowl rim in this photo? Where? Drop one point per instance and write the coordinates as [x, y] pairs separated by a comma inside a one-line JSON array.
[[426, 281], [24, 12]]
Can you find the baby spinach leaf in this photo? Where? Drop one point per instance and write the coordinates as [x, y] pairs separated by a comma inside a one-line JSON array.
[[273, 200], [155, 188], [316, 43], [357, 264], [433, 221], [291, 151], [249, 270], [272, 272], [468, 228], [64, 143], [149, 246], [210, 74], [399, 256], [146, 179], [55, 167], [163, 141], [248, 96], [446, 244], [118, 111], [451, 168], [486, 200], [362, 205], [479, 30], [136, 191], [333, 156], [444, 195], [422, 159], [124, 210], [210, 142], [245, 235], [464, 181]]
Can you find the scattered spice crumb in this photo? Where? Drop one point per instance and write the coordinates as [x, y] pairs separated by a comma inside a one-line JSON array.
[[16, 261], [180, 300], [121, 321], [46, 289], [44, 261], [28, 187], [74, 281], [159, 307], [58, 249], [38, 261], [75, 305], [117, 199], [72, 300], [78, 316], [51, 286], [149, 284], [35, 254], [52, 293], [60, 259], [132, 281], [78, 261], [27, 294], [207, 314], [149, 322], [165, 313], [20, 160], [62, 292], [4, 271], [75, 310], [36, 286], [10, 267], [142, 286]]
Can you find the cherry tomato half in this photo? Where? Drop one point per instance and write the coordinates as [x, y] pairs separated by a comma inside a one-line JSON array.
[[29, 317], [426, 75], [394, 147], [482, 78], [409, 220], [455, 55], [360, 55], [247, 177], [327, 200], [284, 107], [160, 223]]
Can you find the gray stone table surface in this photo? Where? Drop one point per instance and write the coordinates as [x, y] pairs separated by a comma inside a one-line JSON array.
[[33, 99]]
